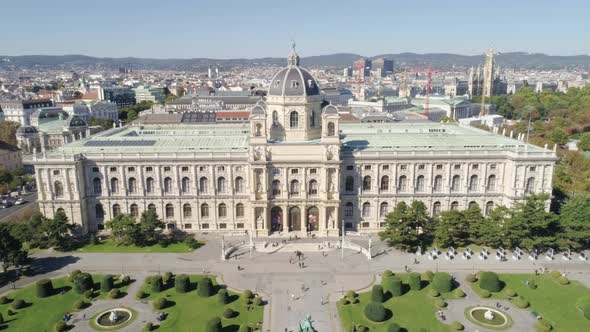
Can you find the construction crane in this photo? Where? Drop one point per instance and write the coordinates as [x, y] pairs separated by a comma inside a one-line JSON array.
[[428, 71], [360, 71]]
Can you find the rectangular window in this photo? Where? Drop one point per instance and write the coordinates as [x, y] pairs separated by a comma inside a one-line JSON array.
[[222, 226], [113, 169], [276, 171], [493, 166], [403, 167], [457, 166], [313, 171], [238, 168], [202, 168], [475, 166], [365, 225], [240, 225], [367, 167], [56, 172], [439, 167], [130, 169], [294, 171], [386, 167], [350, 167], [167, 169], [95, 169], [205, 226], [421, 166], [532, 168], [185, 168], [347, 225], [149, 169], [188, 226], [220, 168]]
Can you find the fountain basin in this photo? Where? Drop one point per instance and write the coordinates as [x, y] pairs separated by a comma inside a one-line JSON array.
[[112, 319], [488, 317]]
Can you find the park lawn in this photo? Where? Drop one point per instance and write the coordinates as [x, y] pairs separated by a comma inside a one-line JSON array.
[[41, 314], [190, 312], [413, 310], [109, 246], [555, 302]]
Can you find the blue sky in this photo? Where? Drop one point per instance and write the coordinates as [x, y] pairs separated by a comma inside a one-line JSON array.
[[259, 28]]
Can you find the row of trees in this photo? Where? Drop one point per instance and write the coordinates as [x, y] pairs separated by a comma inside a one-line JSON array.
[[126, 231], [130, 113], [42, 232], [527, 225]]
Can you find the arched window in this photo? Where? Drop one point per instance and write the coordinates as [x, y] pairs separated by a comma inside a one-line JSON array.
[[114, 185], [367, 183], [187, 211], [472, 204], [203, 185], [168, 185], [97, 184], [99, 212], [276, 188], [383, 209], [239, 210], [473, 182], [454, 206], [366, 210], [185, 185], [438, 183], [313, 187], [152, 207], [239, 184], [403, 184], [258, 129], [294, 188], [530, 186], [420, 184], [294, 120], [169, 211], [385, 183], [134, 210], [149, 185], [221, 184], [116, 210], [204, 210], [456, 183], [349, 209], [491, 183], [275, 118], [349, 184], [132, 185], [222, 210], [331, 129], [489, 207], [58, 189], [436, 208]]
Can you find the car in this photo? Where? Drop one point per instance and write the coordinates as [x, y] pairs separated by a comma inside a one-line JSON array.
[[2, 206], [19, 201]]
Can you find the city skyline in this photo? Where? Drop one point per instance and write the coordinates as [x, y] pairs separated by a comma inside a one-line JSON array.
[[237, 30]]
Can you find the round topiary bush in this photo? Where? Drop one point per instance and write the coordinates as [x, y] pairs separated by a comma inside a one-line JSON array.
[[182, 283], [414, 281], [88, 294], [563, 280], [246, 300], [456, 326], [543, 326], [44, 288], [351, 294], [107, 283], [245, 328], [427, 276], [374, 311], [114, 293], [377, 294], [60, 326], [393, 285], [248, 294], [80, 304], [148, 327], [156, 283], [213, 325], [140, 295], [228, 313], [18, 304], [344, 301], [555, 274], [160, 303], [83, 282], [459, 292], [386, 274], [205, 288], [126, 280], [510, 292], [222, 297], [442, 282], [258, 301], [485, 294], [490, 282], [471, 277], [433, 293], [361, 328], [440, 303], [73, 275], [520, 302], [393, 327], [167, 278], [3, 300]]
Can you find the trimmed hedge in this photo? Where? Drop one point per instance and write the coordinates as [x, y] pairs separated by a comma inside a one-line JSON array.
[[160, 303], [205, 288], [442, 282], [375, 312], [182, 283], [393, 285], [440, 303], [88, 294], [459, 292], [427, 276], [245, 328], [490, 282], [44, 288], [563, 280], [148, 327], [167, 278], [156, 283], [520, 302], [414, 281], [543, 326], [107, 283], [83, 282], [228, 313], [393, 327], [377, 294], [258, 301], [18, 304], [351, 294], [126, 280], [60, 326], [140, 295], [485, 294], [3, 300], [433, 293], [114, 293], [73, 275], [248, 294], [214, 325], [386, 274], [222, 297], [555, 274], [80, 304], [510, 292], [471, 277], [457, 326], [344, 301]]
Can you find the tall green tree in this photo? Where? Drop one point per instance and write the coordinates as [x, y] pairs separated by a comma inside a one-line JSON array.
[[574, 222], [11, 252], [529, 225], [475, 222], [584, 143], [124, 229], [451, 229], [150, 227], [559, 136], [58, 229], [490, 232], [407, 227]]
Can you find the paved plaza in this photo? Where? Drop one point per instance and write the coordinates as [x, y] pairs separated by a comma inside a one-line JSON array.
[[291, 291]]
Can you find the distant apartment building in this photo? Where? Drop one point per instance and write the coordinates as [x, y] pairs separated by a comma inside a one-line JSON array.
[[104, 110], [11, 158], [382, 67], [20, 110], [336, 96], [153, 94], [211, 103], [118, 95]]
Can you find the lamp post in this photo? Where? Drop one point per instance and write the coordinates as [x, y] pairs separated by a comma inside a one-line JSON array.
[[342, 241]]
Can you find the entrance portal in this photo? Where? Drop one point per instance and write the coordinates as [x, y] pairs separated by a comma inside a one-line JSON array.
[[313, 219], [294, 219], [276, 219]]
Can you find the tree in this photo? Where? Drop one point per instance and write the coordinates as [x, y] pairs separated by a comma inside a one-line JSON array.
[[574, 223], [58, 229], [529, 225], [104, 123], [584, 143], [124, 229], [475, 222], [490, 232], [11, 252], [451, 229], [403, 225], [150, 227], [8, 131], [559, 136]]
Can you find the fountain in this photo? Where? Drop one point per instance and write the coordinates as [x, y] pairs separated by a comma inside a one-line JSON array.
[[489, 317], [113, 319]]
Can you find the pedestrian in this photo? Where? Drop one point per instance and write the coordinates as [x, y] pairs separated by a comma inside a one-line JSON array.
[[293, 296], [13, 286], [84, 316]]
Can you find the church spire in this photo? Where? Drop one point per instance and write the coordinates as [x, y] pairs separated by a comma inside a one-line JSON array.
[[293, 59]]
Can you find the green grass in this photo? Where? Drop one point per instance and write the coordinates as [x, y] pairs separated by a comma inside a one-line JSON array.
[[412, 311], [109, 246], [42, 313], [190, 312], [555, 302]]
